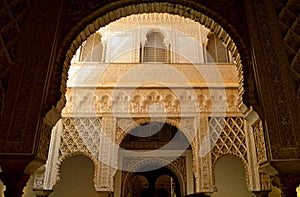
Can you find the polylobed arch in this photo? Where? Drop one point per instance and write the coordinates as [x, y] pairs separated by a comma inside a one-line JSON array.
[[141, 121], [243, 162], [93, 24], [78, 34], [74, 154], [150, 30]]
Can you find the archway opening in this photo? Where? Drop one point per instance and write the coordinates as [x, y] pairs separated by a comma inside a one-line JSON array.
[[76, 178], [160, 182], [100, 93], [166, 153], [230, 178], [155, 136]]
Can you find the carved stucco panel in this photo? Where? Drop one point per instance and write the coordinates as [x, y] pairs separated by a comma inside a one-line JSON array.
[[108, 157]]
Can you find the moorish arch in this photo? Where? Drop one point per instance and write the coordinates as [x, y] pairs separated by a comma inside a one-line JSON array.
[[80, 34], [71, 155], [236, 55], [80, 26], [175, 161], [177, 9], [164, 163], [242, 161]]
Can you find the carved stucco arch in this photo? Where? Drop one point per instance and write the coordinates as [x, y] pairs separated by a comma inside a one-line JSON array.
[[150, 30], [139, 121], [161, 161], [243, 162], [63, 158]]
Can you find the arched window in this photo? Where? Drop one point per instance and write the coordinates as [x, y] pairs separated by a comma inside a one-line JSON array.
[[92, 49], [154, 49], [216, 51]]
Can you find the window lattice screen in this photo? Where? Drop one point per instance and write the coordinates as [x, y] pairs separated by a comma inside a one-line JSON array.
[[228, 137]]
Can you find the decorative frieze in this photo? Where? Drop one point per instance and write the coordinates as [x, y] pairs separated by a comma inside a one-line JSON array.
[[144, 100]]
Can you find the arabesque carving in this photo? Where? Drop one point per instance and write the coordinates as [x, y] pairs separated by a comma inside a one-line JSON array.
[[145, 100], [260, 145]]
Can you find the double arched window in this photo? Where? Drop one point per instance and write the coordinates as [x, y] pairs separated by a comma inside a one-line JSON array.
[[155, 49]]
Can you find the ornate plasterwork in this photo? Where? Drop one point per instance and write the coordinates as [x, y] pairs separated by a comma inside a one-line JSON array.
[[144, 100], [98, 139], [265, 182], [154, 7], [124, 125], [260, 145], [281, 115], [228, 137], [89, 137]]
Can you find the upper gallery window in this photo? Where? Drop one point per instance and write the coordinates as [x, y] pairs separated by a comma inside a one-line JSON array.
[[216, 50], [92, 49], [155, 49]]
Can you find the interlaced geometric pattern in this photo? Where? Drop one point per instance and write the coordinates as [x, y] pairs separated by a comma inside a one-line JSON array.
[[80, 135], [228, 136]]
